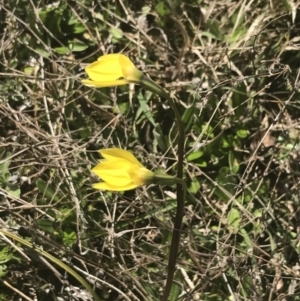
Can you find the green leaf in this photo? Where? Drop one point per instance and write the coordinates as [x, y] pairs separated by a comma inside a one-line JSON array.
[[4, 176], [209, 35], [62, 50], [121, 108], [45, 225], [175, 291], [73, 20], [208, 130], [66, 214], [233, 163], [4, 167], [6, 162], [188, 113], [187, 117], [43, 52], [79, 28], [85, 132], [46, 190], [195, 186], [195, 155], [15, 192], [6, 254], [226, 141], [201, 164], [223, 175], [234, 219], [3, 271], [29, 70], [70, 238], [247, 239], [144, 106], [117, 33], [214, 30], [160, 138], [162, 9], [242, 133], [146, 10], [239, 99], [77, 45], [272, 241], [238, 34], [287, 5]]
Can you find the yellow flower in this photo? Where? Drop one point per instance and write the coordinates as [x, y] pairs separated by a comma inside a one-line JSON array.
[[112, 70], [121, 171]]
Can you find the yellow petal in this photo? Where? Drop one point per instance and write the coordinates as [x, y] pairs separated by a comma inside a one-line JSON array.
[[120, 171], [112, 57], [113, 164], [114, 153], [116, 181], [107, 68], [112, 70], [140, 175], [125, 61], [130, 72], [118, 178], [105, 186], [103, 84]]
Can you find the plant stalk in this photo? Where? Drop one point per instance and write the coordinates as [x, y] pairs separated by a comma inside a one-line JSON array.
[[180, 189]]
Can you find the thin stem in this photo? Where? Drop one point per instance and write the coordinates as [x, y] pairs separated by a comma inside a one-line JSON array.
[[180, 189]]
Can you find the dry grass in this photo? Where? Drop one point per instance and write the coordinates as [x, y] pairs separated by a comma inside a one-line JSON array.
[[233, 70]]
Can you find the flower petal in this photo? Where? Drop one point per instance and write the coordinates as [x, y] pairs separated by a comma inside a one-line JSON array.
[[113, 176], [106, 186], [111, 57], [120, 171], [126, 63], [113, 83], [115, 153], [140, 175], [107, 68], [130, 72], [113, 164]]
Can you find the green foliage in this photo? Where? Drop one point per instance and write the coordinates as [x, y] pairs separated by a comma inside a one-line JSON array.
[[7, 180], [232, 69], [6, 255]]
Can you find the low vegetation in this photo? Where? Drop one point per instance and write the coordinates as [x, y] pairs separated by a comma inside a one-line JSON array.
[[232, 68]]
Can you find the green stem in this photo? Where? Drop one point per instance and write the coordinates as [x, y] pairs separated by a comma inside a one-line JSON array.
[[180, 189]]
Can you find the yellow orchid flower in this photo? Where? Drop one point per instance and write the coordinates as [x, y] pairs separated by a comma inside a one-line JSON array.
[[121, 171], [110, 70]]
